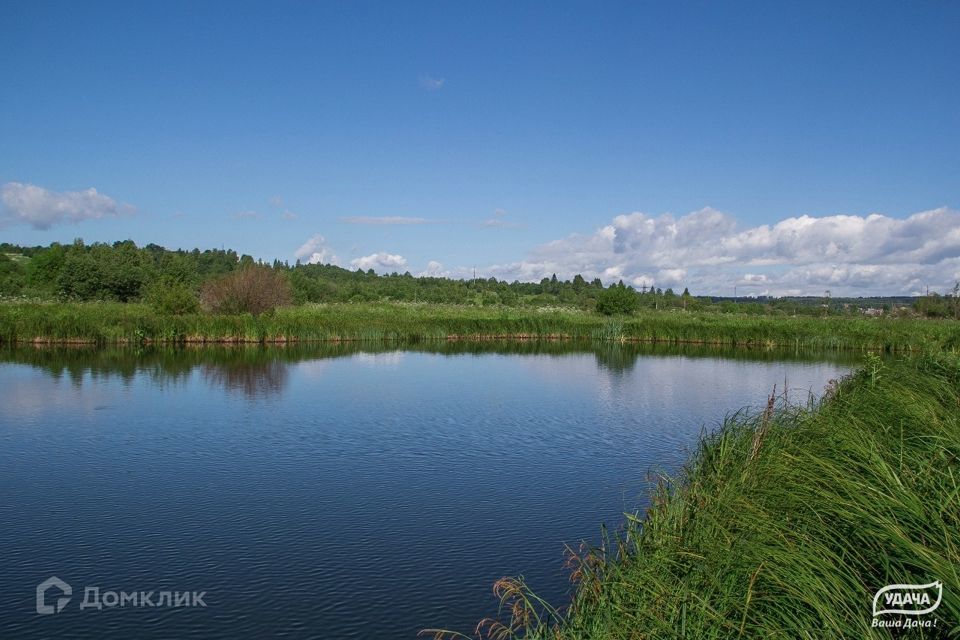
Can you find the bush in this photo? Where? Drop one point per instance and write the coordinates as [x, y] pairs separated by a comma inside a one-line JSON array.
[[12, 276], [172, 298], [618, 299], [252, 289]]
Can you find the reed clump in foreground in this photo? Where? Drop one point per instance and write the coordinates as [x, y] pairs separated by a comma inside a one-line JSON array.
[[119, 323], [784, 524]]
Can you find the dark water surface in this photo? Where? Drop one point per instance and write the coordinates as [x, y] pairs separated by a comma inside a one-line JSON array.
[[336, 492]]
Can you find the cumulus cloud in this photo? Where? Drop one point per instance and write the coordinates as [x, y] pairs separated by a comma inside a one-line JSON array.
[[431, 84], [708, 251], [435, 270], [379, 220], [42, 208], [380, 262], [316, 251]]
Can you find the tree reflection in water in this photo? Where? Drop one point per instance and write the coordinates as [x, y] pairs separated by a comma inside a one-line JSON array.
[[263, 371], [253, 379]]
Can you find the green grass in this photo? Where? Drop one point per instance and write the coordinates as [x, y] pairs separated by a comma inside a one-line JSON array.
[[114, 323], [783, 525]]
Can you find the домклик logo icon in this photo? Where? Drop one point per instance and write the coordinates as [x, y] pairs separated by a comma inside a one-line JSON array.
[[46, 609]]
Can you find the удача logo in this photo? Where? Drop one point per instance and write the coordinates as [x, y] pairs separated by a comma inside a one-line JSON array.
[[908, 599]]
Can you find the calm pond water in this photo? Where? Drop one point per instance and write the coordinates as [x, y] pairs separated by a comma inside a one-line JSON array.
[[336, 492]]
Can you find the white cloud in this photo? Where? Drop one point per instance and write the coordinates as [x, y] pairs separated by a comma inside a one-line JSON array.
[[276, 201], [316, 251], [435, 270], [707, 251], [671, 277], [431, 84], [289, 215], [42, 208], [380, 262], [246, 215], [379, 220]]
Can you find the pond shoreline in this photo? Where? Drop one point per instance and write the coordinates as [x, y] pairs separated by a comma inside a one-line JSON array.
[[400, 341], [775, 509]]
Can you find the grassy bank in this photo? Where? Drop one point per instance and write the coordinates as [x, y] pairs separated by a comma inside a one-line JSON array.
[[114, 323], [784, 524]]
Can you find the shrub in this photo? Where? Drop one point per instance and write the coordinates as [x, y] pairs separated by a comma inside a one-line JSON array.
[[172, 298], [251, 289], [11, 276], [617, 299]]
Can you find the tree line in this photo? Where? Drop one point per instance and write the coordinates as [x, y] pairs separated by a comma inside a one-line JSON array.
[[180, 281], [124, 272]]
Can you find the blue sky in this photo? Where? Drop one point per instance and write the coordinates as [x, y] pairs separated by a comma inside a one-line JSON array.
[[494, 131]]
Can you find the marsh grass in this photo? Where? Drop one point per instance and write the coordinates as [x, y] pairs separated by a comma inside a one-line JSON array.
[[116, 323], [783, 524]]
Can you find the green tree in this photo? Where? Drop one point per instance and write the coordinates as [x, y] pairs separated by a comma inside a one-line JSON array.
[[125, 268], [80, 277], [618, 299], [933, 306], [43, 270], [12, 276]]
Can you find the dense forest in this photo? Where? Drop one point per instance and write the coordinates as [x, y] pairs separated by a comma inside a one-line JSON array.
[[173, 279]]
